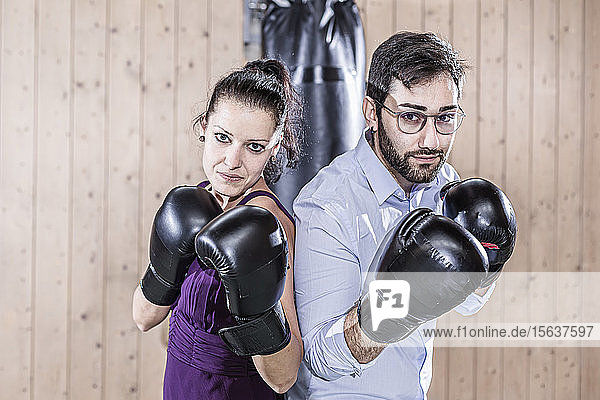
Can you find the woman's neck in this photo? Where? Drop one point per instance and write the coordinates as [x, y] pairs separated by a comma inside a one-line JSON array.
[[228, 202]]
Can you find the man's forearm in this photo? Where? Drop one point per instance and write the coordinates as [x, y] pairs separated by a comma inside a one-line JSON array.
[[361, 347]]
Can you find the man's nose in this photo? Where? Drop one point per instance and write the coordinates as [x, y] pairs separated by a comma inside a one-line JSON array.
[[429, 136]]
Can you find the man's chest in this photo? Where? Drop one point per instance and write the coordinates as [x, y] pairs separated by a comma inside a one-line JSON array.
[[373, 225]]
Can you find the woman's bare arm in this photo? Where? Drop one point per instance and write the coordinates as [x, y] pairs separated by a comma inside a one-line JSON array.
[[280, 370], [145, 314]]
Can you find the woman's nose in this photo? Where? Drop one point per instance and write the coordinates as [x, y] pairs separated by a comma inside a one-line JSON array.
[[233, 157]]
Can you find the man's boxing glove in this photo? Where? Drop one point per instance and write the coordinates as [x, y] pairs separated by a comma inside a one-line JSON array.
[[248, 248], [486, 212], [442, 262], [184, 212]]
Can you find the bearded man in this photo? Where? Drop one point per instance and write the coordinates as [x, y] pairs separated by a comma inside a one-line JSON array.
[[412, 114]]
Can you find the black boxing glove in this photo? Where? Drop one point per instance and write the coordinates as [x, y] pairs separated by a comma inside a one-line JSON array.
[[486, 212], [184, 212], [248, 248], [442, 262]]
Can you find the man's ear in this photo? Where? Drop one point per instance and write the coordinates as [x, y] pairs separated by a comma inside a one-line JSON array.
[[369, 112]]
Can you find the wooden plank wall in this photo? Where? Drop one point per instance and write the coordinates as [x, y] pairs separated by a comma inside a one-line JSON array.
[[590, 192], [96, 99]]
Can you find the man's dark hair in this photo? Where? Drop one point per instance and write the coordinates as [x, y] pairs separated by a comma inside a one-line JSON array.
[[414, 58]]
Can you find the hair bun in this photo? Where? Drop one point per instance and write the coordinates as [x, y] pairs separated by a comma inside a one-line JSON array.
[[268, 67]]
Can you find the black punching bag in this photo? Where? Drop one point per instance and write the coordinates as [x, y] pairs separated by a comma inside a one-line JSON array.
[[322, 43]]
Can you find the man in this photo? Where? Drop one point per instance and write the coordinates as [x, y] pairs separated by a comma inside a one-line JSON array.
[[412, 113]]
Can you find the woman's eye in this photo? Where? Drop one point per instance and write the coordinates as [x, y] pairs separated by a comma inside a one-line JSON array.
[[221, 137], [255, 147]]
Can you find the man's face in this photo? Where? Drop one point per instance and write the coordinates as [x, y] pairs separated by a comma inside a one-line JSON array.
[[418, 157]]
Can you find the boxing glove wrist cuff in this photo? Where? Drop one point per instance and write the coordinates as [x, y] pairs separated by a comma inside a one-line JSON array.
[[267, 334], [491, 276], [389, 331], [364, 320], [157, 290]]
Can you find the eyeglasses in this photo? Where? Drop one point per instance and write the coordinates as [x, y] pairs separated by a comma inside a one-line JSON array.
[[411, 122]]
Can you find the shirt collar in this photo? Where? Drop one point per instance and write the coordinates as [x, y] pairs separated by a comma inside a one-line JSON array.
[[380, 179]]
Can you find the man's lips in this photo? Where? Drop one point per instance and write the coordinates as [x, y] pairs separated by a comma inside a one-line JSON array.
[[426, 158]]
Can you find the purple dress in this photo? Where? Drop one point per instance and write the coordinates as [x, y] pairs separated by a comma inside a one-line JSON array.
[[199, 364]]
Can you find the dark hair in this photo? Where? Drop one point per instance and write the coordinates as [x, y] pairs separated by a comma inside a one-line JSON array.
[[413, 58], [265, 84]]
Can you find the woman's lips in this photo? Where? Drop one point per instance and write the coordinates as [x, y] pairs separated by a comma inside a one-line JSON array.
[[230, 177]]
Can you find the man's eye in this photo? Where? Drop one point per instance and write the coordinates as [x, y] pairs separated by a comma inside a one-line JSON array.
[[221, 137], [255, 147], [411, 117], [446, 118]]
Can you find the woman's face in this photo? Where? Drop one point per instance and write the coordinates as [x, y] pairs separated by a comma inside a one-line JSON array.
[[238, 143]]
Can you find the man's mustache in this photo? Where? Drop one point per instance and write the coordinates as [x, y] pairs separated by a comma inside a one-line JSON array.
[[417, 153]]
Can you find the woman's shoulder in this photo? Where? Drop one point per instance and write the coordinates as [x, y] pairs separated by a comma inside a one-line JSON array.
[[269, 201]]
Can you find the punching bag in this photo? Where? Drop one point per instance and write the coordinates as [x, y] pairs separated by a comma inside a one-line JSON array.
[[322, 43]]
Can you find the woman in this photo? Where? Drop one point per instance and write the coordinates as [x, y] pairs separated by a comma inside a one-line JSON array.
[[249, 127]]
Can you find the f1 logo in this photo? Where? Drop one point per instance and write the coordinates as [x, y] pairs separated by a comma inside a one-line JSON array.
[[392, 297], [381, 297]]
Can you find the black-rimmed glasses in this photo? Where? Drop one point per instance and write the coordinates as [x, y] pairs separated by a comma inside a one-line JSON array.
[[411, 122]]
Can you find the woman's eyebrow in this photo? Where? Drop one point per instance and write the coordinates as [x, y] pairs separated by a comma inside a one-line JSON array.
[[258, 140], [223, 129]]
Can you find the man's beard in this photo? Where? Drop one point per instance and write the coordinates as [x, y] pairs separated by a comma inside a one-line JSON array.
[[401, 162]]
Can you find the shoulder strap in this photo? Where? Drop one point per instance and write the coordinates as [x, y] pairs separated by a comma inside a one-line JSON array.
[[203, 184]]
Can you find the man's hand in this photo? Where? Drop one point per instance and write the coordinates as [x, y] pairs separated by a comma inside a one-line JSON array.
[[442, 262], [485, 211]]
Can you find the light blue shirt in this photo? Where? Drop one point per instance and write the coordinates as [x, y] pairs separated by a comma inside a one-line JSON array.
[[342, 216]]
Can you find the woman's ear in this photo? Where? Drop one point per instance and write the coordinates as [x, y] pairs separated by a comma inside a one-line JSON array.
[[370, 113], [203, 124], [275, 149], [276, 141]]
